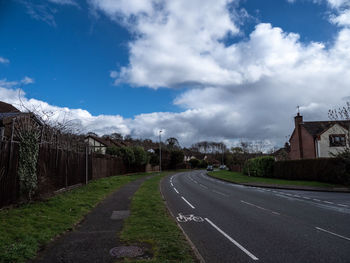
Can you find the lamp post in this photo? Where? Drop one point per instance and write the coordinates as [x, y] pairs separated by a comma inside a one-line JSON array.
[[160, 151]]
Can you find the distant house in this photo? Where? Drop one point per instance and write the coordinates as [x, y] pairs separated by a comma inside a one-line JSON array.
[[8, 116], [314, 139], [100, 145]]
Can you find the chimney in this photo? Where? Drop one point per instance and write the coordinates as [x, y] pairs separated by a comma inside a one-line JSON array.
[[297, 121]]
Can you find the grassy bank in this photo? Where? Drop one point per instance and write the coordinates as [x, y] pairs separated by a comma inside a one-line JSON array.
[[25, 229], [150, 223], [240, 178]]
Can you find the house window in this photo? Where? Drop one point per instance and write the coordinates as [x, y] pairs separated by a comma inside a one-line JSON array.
[[336, 140]]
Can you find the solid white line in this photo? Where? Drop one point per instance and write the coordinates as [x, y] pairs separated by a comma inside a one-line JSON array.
[[232, 240], [187, 202], [262, 208], [176, 190], [203, 186], [329, 232], [343, 205]]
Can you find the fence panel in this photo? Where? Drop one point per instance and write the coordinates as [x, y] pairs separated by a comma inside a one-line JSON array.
[[9, 185]]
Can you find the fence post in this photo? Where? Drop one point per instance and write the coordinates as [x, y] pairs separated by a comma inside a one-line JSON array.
[[86, 165]]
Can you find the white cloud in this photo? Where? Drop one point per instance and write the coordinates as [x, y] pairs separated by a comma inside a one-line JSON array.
[[27, 80], [246, 89], [63, 2], [4, 60]]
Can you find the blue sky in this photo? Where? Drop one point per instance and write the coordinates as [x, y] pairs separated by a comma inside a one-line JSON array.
[[69, 49]]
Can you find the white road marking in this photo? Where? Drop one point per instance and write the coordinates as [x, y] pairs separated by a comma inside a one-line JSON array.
[[172, 184], [329, 232], [187, 202], [203, 186], [262, 208], [342, 205], [176, 190], [297, 195], [317, 200], [220, 193], [232, 240], [195, 181], [327, 202], [306, 197]]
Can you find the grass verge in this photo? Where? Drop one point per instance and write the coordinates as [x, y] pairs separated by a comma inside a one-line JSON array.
[[150, 223], [25, 229], [236, 177]]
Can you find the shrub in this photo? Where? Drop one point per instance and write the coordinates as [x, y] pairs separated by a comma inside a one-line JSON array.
[[113, 150], [176, 157], [203, 164], [328, 170], [260, 166], [140, 155], [194, 163], [127, 154]]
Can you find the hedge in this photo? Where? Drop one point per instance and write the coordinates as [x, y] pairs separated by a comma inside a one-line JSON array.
[[328, 170], [260, 166]]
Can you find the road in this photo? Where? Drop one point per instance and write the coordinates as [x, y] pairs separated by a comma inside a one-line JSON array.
[[233, 223]]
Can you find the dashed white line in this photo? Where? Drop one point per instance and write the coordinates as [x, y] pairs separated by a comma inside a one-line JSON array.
[[172, 184], [317, 200], [332, 233], [220, 193], [203, 186], [187, 202], [343, 205], [262, 208], [232, 240], [327, 202], [308, 198], [176, 190]]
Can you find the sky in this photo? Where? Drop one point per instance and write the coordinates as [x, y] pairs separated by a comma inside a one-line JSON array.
[[217, 70]]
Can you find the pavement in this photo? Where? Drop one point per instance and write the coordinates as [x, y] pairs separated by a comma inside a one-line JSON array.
[[235, 223], [97, 234], [291, 187]]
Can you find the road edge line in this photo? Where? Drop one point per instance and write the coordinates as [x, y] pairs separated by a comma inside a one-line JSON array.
[[193, 247]]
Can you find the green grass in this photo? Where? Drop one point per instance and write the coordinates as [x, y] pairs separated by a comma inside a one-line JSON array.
[[150, 223], [25, 229], [240, 178]]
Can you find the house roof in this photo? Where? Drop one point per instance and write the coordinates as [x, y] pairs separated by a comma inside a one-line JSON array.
[[315, 128], [5, 107], [107, 141]]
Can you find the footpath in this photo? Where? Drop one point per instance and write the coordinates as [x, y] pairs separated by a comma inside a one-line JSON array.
[[97, 236]]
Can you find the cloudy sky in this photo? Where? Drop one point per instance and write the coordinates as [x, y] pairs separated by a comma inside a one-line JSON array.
[[199, 70]]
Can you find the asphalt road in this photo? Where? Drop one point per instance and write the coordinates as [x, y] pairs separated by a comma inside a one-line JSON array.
[[232, 223]]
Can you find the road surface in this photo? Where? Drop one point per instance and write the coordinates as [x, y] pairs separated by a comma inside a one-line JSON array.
[[233, 223]]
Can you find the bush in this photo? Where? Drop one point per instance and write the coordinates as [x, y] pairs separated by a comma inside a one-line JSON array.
[[140, 155], [127, 154], [260, 166], [194, 163], [203, 164], [328, 170], [176, 157], [113, 150]]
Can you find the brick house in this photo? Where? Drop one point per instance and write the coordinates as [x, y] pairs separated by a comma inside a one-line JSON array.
[[314, 139]]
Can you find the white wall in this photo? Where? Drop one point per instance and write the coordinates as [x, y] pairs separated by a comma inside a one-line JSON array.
[[323, 143], [98, 146]]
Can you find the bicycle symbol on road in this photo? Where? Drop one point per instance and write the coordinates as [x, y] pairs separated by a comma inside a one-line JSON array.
[[186, 218]]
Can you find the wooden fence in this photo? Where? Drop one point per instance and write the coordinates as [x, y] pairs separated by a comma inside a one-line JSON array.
[[9, 186], [57, 169]]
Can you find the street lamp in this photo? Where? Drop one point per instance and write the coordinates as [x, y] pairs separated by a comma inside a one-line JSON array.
[[160, 151]]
